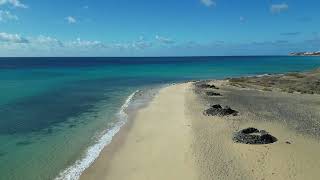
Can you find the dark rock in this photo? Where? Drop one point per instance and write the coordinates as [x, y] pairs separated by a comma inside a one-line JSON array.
[[267, 139], [216, 106], [288, 142], [217, 110], [249, 130], [213, 87], [253, 136], [213, 94], [228, 111], [205, 86]]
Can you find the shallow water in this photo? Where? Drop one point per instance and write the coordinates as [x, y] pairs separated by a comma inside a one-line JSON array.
[[53, 109]]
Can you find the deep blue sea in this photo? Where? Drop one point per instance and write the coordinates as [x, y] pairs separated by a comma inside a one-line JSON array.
[[56, 114]]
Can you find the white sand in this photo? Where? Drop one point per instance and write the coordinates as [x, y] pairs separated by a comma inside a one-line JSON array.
[[171, 139], [158, 145]]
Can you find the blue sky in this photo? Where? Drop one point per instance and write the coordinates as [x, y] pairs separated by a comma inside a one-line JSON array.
[[158, 28]]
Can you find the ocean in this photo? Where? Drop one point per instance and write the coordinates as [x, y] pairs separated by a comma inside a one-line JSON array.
[[56, 114]]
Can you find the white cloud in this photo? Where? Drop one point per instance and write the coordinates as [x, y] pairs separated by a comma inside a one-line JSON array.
[[43, 45], [84, 43], [15, 3], [71, 20], [278, 8], [47, 40], [12, 38], [242, 19], [208, 3], [139, 44], [6, 16], [164, 40]]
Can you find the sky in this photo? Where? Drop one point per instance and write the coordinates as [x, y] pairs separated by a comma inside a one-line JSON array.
[[158, 28]]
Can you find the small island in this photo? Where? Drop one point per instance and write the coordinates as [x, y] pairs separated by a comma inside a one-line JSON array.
[[317, 53]]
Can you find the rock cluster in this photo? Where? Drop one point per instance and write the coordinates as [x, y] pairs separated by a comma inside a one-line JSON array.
[[218, 110], [205, 86], [253, 136], [213, 94]]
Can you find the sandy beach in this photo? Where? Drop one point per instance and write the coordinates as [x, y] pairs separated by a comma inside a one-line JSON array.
[[292, 118], [156, 145], [171, 138]]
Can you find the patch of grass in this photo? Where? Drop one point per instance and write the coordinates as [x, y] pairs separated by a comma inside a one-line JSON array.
[[237, 80], [296, 75], [290, 91], [266, 89]]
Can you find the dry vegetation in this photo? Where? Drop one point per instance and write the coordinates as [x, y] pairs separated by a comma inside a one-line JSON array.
[[305, 83]]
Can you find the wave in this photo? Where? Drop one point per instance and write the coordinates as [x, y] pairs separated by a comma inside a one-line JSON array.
[[74, 171]]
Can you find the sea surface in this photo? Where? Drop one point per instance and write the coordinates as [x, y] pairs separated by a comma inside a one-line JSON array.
[[56, 114]]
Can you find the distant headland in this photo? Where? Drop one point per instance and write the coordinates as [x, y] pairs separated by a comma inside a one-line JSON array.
[[305, 53]]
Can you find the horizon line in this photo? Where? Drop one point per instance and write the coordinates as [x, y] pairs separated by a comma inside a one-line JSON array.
[[142, 56]]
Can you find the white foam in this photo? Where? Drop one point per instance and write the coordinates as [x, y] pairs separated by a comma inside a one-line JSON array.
[[74, 171]]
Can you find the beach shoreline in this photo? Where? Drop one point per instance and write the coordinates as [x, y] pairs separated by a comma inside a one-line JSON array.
[[171, 138], [58, 124], [150, 159]]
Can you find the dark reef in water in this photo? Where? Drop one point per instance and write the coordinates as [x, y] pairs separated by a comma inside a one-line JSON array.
[[23, 143], [2, 154]]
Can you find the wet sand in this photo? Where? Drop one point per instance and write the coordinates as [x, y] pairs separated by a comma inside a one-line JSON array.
[[172, 139]]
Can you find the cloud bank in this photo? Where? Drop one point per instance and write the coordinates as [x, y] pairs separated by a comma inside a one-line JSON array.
[[71, 20], [42, 45], [164, 40], [7, 16], [12, 38], [208, 3], [278, 8], [15, 3]]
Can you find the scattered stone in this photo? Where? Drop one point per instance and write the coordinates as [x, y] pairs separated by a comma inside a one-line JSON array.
[[217, 110], [205, 86], [213, 94], [253, 136], [250, 130], [266, 89]]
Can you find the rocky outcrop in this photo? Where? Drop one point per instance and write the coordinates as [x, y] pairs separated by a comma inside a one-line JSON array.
[[211, 93], [253, 136], [218, 110], [207, 86]]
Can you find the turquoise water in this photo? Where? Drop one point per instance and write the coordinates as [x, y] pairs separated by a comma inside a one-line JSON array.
[[56, 114]]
